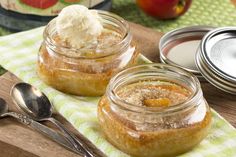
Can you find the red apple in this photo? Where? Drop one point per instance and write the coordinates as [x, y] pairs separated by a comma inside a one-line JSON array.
[[41, 4], [164, 9]]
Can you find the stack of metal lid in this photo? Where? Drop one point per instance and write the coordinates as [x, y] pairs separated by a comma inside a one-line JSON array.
[[207, 52], [216, 58]]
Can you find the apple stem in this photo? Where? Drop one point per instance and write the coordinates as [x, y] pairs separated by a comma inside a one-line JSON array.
[[181, 3]]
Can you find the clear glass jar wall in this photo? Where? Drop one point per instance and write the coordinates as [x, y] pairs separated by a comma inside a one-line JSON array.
[[154, 131], [83, 71]]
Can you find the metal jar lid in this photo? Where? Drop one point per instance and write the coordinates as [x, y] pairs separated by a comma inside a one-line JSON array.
[[180, 36], [216, 58]]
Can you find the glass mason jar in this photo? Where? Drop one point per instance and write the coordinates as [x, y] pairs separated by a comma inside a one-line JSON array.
[[85, 75], [154, 131]]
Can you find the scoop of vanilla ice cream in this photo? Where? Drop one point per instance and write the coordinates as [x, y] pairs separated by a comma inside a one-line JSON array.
[[78, 25]]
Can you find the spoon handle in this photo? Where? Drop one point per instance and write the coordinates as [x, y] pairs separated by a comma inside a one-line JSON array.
[[81, 144], [55, 136]]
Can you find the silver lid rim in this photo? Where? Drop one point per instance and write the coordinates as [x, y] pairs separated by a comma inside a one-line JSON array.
[[214, 81], [206, 59], [212, 74], [170, 36], [200, 61]]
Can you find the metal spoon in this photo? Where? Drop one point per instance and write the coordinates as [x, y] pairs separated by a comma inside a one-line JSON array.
[[35, 103], [35, 125]]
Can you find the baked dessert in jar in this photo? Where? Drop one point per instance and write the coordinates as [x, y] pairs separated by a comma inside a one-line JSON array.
[[154, 110], [83, 48]]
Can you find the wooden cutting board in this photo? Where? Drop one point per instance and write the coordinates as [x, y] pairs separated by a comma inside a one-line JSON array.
[[17, 140]]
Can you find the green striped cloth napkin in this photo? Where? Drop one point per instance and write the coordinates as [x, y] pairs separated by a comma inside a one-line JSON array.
[[202, 12], [18, 54]]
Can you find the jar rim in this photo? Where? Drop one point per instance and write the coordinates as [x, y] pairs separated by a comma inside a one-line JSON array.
[[192, 100], [184, 34], [126, 38]]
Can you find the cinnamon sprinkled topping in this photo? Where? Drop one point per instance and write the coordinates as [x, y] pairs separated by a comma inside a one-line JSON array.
[[147, 94]]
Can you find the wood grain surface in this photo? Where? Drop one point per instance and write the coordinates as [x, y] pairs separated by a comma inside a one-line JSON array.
[[17, 140]]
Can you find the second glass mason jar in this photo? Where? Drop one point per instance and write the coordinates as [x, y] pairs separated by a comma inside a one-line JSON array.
[[85, 74], [154, 110]]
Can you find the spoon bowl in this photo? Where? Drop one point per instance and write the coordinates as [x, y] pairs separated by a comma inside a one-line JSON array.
[[3, 107], [32, 101], [36, 104]]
